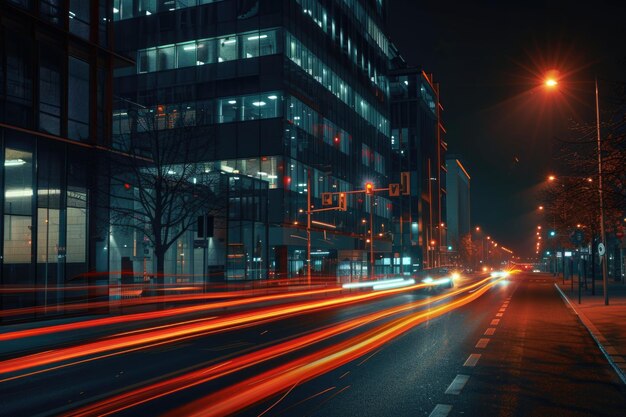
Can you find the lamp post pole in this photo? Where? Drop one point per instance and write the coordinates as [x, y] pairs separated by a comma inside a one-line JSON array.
[[602, 232]]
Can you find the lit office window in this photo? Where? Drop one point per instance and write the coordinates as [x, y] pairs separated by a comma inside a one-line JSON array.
[[228, 109], [227, 49], [260, 106], [259, 43]]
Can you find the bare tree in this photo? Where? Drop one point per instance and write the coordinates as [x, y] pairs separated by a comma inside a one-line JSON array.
[[158, 183]]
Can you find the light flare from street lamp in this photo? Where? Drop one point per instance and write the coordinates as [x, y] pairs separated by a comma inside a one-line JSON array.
[[551, 83]]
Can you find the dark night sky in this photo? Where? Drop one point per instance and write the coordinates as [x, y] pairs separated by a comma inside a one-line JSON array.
[[489, 58]]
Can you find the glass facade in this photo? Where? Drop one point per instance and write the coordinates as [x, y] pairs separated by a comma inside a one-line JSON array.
[[280, 104], [321, 72], [51, 107]]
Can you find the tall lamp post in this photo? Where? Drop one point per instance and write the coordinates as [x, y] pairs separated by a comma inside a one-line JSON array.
[[602, 232], [552, 83]]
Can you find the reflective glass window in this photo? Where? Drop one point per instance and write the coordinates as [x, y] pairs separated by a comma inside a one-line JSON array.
[[165, 58], [78, 99], [186, 54], [50, 90], [79, 15], [228, 109], [227, 49], [205, 52], [147, 60]]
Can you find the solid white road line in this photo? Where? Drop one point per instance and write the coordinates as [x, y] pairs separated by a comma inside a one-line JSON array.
[[472, 360], [441, 410], [457, 384]]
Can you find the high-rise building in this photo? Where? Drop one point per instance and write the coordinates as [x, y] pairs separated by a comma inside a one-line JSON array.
[[291, 93], [418, 151], [55, 107], [458, 187]]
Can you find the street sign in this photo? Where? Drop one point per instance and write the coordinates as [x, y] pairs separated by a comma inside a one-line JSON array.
[[601, 249], [327, 199], [394, 190], [405, 180]]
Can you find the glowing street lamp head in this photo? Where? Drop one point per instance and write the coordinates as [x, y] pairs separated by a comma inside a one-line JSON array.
[[551, 83], [551, 178]]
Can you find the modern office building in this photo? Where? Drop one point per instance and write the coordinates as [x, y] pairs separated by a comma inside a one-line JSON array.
[[55, 112], [417, 140], [291, 93], [458, 188]]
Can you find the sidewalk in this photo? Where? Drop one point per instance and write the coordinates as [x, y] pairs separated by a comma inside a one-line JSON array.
[[606, 324]]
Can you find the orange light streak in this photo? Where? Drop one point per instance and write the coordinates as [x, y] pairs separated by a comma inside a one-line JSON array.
[[159, 335], [105, 321], [162, 388], [266, 384]]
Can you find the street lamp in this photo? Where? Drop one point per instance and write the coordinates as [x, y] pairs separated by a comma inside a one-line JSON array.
[[551, 83]]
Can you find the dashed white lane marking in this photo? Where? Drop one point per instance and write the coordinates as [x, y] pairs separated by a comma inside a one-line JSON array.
[[502, 310], [495, 322], [441, 410], [472, 360], [482, 343], [499, 315], [457, 384], [490, 331]]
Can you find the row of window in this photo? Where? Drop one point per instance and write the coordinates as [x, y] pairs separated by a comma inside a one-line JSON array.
[[315, 67], [307, 119], [265, 105], [317, 12], [127, 9], [208, 51]]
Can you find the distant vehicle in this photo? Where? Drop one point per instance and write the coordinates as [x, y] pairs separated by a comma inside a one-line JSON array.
[[536, 270]]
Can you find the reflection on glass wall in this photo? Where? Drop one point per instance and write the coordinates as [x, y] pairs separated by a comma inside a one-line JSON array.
[[208, 51]]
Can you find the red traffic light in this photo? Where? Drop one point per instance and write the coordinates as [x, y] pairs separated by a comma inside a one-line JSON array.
[[369, 188], [127, 186]]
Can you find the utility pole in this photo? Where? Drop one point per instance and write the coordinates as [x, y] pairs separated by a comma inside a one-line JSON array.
[[602, 232]]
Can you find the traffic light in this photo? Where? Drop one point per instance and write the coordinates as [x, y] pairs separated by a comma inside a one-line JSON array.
[[127, 186], [369, 188], [343, 202]]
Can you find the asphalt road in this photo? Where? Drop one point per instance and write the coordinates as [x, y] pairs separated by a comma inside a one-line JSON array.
[[536, 360]]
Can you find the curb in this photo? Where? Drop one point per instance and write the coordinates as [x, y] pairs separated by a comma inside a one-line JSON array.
[[605, 347]]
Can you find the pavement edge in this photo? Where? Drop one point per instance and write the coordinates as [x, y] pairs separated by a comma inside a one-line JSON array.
[[597, 337]]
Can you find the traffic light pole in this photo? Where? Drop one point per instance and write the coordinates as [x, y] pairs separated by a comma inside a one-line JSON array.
[[308, 226], [372, 233]]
